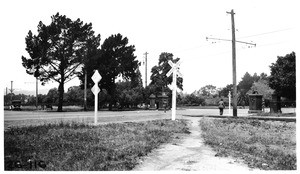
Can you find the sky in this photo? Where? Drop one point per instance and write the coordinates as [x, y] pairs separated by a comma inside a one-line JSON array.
[[156, 26]]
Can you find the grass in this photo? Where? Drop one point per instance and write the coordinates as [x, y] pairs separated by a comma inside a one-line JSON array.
[[77, 146], [261, 144], [277, 114]]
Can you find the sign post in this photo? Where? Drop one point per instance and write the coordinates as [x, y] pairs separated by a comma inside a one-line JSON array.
[[95, 89], [175, 71], [229, 97]]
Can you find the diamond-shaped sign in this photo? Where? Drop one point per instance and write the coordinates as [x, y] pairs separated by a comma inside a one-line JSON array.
[[95, 89], [96, 77]]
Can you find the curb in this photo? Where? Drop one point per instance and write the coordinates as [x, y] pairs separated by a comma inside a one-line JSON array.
[[286, 119]]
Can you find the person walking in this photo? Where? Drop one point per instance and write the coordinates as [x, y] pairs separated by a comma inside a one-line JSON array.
[[221, 106]]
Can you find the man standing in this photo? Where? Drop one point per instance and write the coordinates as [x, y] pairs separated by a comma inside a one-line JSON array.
[[221, 106]]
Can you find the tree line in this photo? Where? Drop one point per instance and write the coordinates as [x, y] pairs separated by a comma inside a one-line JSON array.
[[66, 49], [281, 81]]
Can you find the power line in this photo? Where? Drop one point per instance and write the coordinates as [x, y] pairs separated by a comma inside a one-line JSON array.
[[207, 38], [271, 32]]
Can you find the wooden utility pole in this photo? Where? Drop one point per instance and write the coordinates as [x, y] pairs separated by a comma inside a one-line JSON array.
[[11, 90], [234, 97], [146, 68]]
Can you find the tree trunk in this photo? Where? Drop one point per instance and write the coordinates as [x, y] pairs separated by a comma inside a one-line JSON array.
[[60, 97], [85, 94], [111, 92]]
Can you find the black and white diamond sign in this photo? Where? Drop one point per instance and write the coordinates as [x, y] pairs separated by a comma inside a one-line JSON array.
[[96, 77], [95, 89]]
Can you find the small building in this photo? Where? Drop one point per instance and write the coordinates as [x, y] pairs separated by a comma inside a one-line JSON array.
[[152, 101], [255, 103], [163, 102], [275, 104]]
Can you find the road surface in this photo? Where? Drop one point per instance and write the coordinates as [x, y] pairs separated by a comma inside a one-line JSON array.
[[19, 118]]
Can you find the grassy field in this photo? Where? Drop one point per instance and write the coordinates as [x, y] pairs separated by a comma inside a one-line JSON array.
[[261, 144], [77, 146]]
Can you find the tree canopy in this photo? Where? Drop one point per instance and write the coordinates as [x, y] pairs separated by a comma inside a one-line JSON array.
[[159, 78], [283, 76], [58, 50], [115, 59]]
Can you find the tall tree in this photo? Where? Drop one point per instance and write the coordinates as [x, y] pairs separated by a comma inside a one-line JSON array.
[[262, 87], [159, 78], [244, 86], [283, 76], [52, 96], [225, 91], [115, 59], [208, 90], [58, 50]]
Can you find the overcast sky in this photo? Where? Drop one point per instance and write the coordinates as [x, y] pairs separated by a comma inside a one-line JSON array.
[[178, 27]]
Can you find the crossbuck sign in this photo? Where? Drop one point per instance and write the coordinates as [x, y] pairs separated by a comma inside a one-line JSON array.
[[175, 71]]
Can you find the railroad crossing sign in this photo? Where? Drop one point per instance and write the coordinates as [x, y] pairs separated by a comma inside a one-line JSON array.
[[95, 89], [175, 67], [175, 71]]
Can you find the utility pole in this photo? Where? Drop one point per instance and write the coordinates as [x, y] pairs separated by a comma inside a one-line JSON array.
[[146, 68], [5, 100], [11, 90], [36, 90], [233, 40], [233, 65]]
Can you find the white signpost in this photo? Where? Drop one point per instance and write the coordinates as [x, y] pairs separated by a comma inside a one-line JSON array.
[[95, 89], [175, 71], [229, 97]]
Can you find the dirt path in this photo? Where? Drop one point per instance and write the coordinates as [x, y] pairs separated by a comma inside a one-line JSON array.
[[188, 155]]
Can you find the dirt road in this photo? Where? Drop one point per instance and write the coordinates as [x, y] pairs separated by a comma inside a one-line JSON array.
[[188, 155]]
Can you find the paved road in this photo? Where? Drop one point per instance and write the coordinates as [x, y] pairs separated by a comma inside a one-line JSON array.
[[28, 115], [17, 118]]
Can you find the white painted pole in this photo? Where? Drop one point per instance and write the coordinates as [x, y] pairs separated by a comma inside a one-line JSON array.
[[96, 109], [174, 95], [95, 89], [229, 97]]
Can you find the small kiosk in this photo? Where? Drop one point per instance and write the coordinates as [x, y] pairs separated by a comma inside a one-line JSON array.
[[152, 101], [275, 104], [255, 103], [163, 102]]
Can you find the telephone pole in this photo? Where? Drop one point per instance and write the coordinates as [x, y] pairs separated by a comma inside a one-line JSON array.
[[233, 40], [146, 68], [11, 90], [234, 103]]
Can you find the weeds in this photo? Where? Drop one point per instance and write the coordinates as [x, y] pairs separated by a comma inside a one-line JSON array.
[[262, 144], [77, 146]]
